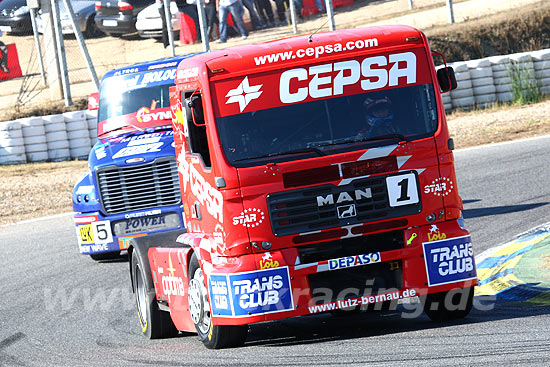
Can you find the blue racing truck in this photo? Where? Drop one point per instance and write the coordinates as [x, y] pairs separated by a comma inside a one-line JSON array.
[[132, 187]]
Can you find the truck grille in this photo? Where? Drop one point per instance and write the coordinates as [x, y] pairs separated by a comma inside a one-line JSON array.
[[139, 187], [313, 209]]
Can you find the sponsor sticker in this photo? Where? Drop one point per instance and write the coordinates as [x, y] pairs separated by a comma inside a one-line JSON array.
[[124, 242], [449, 261], [441, 186], [138, 149], [352, 261], [251, 293], [86, 234], [251, 218]]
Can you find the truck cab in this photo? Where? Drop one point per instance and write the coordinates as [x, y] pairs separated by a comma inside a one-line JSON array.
[[317, 175], [132, 187]]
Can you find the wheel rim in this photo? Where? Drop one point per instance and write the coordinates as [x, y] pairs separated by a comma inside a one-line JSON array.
[[198, 303], [141, 298]]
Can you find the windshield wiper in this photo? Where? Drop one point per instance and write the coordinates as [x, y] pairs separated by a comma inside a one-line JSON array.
[[296, 151], [373, 138]]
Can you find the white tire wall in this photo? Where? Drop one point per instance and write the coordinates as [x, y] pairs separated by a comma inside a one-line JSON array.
[[34, 135], [462, 96], [56, 138]]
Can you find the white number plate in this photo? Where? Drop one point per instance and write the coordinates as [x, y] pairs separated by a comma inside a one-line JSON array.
[[5, 28], [402, 189], [110, 23], [102, 232]]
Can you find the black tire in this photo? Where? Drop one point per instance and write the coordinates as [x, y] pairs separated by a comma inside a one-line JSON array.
[[451, 305], [154, 323], [91, 30], [212, 336], [105, 256]]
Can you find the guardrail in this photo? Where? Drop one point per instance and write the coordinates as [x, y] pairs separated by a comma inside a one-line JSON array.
[[481, 83]]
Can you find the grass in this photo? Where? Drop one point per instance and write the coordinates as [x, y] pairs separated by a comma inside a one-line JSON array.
[[525, 88]]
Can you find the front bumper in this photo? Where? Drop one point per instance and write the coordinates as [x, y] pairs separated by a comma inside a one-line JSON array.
[[97, 233], [277, 285]]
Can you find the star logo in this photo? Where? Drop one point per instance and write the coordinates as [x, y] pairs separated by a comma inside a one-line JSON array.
[[434, 228], [170, 268], [243, 94]]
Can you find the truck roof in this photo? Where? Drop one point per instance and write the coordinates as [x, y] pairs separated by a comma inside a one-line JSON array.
[[168, 62], [297, 50]]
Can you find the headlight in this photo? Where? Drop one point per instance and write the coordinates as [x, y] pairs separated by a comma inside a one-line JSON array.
[[22, 10]]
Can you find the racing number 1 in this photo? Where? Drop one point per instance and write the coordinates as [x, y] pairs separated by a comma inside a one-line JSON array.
[[402, 189]]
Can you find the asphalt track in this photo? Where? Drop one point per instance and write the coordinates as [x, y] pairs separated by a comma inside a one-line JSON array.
[[60, 308]]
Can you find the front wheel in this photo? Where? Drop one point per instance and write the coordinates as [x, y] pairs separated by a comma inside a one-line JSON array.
[[212, 336], [154, 323], [451, 305]]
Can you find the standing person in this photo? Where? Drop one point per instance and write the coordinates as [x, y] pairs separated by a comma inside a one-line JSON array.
[[235, 7], [256, 22], [4, 54], [320, 4], [160, 7], [211, 15], [189, 8], [265, 11], [280, 8]]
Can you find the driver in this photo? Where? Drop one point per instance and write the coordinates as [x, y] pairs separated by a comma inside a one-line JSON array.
[[379, 117]]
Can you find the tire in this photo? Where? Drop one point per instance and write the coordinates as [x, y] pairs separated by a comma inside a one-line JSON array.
[[6, 151], [92, 124], [80, 143], [81, 153], [10, 134], [451, 305], [33, 148], [481, 72], [55, 127], [58, 144], [52, 119], [77, 125], [12, 142], [485, 89], [58, 155], [72, 116], [33, 131], [212, 336], [56, 136], [35, 139], [37, 156], [105, 256], [78, 134], [154, 323], [91, 30], [31, 121], [481, 82]]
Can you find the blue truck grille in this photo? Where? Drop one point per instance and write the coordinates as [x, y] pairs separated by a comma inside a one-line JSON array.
[[139, 187]]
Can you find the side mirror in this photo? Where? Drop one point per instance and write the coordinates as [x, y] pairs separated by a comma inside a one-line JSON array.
[[193, 110], [93, 101], [446, 79]]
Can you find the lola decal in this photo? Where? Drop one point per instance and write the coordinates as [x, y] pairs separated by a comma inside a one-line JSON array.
[[249, 218], [243, 94], [435, 235], [267, 262], [441, 186], [370, 72]]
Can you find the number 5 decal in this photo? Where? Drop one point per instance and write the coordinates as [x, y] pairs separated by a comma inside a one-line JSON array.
[[102, 232], [402, 189]]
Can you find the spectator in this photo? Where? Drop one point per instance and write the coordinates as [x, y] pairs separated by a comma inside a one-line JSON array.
[[320, 4], [4, 53], [281, 10], [265, 12], [256, 22], [235, 7], [211, 15], [189, 8], [160, 7]]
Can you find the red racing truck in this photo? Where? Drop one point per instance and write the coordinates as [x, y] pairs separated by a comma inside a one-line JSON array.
[[317, 175]]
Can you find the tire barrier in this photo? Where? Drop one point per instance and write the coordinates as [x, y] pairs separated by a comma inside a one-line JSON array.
[[56, 138], [34, 135], [91, 118], [78, 134], [12, 144], [483, 82]]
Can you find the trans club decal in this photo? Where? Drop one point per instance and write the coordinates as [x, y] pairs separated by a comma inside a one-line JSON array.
[[449, 261], [251, 293], [312, 82]]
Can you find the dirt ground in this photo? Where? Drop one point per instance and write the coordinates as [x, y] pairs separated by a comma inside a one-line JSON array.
[[34, 190]]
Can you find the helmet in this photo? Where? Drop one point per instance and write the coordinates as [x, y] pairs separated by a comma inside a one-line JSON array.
[[378, 110]]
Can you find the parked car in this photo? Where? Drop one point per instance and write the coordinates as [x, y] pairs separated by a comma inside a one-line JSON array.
[[149, 23], [119, 17], [15, 17], [84, 11]]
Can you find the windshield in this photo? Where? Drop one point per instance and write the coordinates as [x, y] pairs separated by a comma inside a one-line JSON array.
[[135, 100], [329, 126]]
